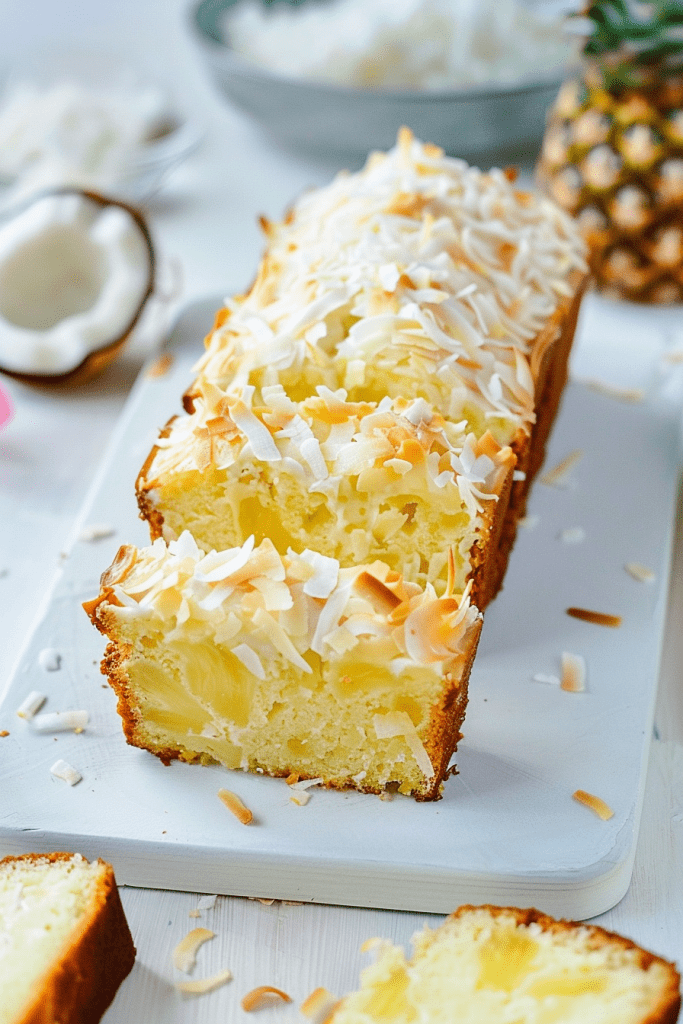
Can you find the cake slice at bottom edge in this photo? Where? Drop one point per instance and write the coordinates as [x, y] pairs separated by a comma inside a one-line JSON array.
[[503, 964], [287, 664], [65, 942]]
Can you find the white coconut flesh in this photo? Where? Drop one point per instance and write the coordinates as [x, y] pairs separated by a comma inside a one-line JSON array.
[[73, 275]]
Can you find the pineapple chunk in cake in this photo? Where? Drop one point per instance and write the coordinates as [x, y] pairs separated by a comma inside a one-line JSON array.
[[287, 663], [502, 964], [355, 481]]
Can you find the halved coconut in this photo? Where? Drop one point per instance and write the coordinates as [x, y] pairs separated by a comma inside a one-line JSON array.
[[76, 269]]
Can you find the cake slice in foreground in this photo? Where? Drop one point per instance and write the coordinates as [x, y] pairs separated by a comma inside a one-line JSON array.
[[65, 945], [487, 964], [287, 664]]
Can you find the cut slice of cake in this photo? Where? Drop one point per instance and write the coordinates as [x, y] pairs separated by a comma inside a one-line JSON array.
[[354, 481], [502, 964], [65, 945], [287, 664]]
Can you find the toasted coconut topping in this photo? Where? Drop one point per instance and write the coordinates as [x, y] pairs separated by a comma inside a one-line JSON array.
[[631, 395], [235, 806], [416, 261], [602, 809], [185, 953], [31, 704], [259, 604], [319, 1006], [264, 995], [638, 571], [558, 476], [598, 618], [203, 985], [194, 913], [63, 770], [300, 798], [326, 438], [4, 733], [573, 672], [61, 721]]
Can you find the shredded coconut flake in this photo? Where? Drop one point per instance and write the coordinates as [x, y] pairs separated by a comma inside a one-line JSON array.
[[558, 476], [319, 1006], [235, 806], [630, 395], [325, 574], [206, 902], [639, 572], [398, 723], [203, 985], [50, 659], [264, 995], [31, 705], [185, 953], [573, 672], [597, 805], [61, 721], [98, 531], [63, 770], [250, 660], [528, 522], [597, 618], [573, 535]]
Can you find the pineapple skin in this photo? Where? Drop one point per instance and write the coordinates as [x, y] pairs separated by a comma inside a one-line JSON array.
[[615, 161]]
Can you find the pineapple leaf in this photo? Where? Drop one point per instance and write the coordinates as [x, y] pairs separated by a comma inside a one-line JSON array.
[[631, 34]]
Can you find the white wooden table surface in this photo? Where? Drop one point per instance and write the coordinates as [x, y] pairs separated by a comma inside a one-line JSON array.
[[205, 218]]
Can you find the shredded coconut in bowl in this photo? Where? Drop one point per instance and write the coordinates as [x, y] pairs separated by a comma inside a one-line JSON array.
[[400, 44]]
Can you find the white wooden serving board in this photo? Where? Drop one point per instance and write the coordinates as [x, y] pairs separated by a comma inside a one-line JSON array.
[[507, 830]]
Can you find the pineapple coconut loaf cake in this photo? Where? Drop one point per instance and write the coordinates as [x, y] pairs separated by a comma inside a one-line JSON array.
[[65, 945], [338, 502], [514, 966]]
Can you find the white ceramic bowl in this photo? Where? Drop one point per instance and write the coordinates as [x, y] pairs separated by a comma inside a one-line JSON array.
[[477, 123]]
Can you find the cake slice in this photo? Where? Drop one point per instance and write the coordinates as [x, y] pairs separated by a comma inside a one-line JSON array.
[[65, 945], [355, 481], [287, 664], [512, 966]]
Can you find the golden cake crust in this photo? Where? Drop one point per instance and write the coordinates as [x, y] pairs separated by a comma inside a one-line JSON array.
[[83, 980]]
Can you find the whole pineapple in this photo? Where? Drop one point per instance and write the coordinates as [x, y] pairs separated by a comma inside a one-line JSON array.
[[613, 149]]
